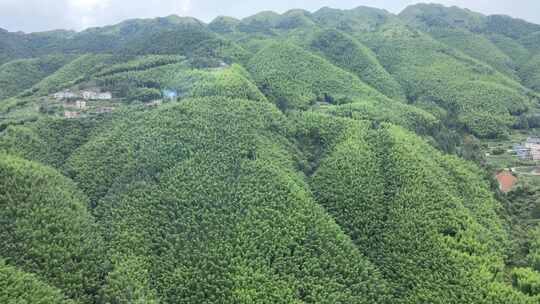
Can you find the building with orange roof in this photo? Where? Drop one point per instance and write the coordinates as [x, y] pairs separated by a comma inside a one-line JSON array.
[[506, 181]]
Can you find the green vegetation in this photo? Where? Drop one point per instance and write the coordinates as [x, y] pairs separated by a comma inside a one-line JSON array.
[[140, 64], [224, 24], [436, 15], [123, 84], [521, 204], [216, 52], [20, 46], [409, 117], [530, 73], [19, 287], [19, 75], [46, 228], [527, 279], [220, 168], [358, 20], [471, 94], [231, 82], [510, 27], [295, 79], [73, 73], [301, 157], [512, 48], [294, 19], [144, 94], [352, 56], [478, 47], [145, 85], [50, 140], [372, 184]]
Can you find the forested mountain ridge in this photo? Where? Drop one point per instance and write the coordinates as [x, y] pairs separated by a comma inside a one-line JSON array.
[[303, 157]]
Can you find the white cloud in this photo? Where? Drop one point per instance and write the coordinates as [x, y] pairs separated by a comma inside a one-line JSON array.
[[86, 22], [187, 6], [89, 4]]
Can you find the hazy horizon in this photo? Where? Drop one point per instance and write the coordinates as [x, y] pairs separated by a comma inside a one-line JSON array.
[[81, 14]]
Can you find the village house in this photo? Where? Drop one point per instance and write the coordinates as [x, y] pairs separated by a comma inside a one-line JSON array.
[[170, 94], [72, 114], [530, 150], [87, 95], [65, 95], [93, 95], [79, 104], [104, 96], [522, 152], [533, 143], [154, 103], [506, 181]]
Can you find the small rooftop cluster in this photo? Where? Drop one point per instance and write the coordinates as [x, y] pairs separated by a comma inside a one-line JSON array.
[[530, 150], [86, 95]]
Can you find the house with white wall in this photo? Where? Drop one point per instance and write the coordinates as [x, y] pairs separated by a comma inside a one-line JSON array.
[[94, 95], [67, 94], [533, 144]]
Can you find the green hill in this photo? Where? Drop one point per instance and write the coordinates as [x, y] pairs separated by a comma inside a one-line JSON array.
[[295, 79], [302, 157], [360, 19], [19, 75], [436, 15], [461, 29], [224, 25], [349, 54], [433, 73], [20, 287], [530, 73], [392, 221], [46, 228], [73, 73], [20, 46], [511, 27], [216, 183]]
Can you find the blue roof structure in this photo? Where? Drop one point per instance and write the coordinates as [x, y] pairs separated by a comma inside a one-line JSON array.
[[170, 94]]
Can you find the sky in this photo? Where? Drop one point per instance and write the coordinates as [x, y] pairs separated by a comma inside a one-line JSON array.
[[42, 15]]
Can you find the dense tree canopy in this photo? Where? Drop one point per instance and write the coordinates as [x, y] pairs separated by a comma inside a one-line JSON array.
[[296, 79], [351, 55], [19, 287], [372, 182], [245, 225], [46, 228], [281, 158], [19, 75]]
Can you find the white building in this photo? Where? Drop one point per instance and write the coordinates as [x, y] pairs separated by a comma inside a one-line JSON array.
[[65, 95], [533, 144], [79, 104], [104, 96], [154, 103], [93, 95], [522, 152], [87, 95]]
